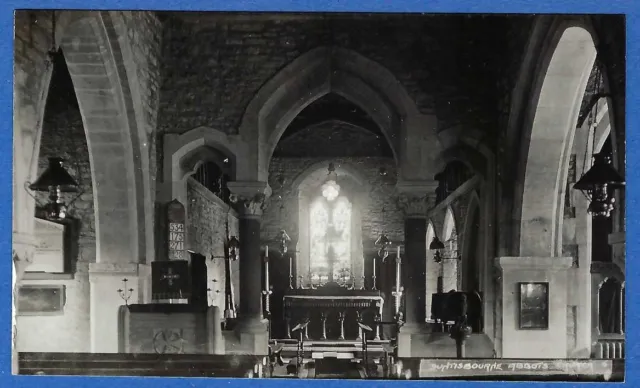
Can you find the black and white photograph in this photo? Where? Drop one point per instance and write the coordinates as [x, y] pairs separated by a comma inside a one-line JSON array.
[[273, 195]]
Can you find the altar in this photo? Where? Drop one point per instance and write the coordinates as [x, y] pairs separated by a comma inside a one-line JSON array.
[[333, 312]]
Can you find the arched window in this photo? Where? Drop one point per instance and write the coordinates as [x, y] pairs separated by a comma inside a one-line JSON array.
[[330, 240]]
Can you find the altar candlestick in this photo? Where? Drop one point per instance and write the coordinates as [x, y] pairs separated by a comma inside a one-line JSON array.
[[398, 268], [373, 277], [266, 267], [290, 266]]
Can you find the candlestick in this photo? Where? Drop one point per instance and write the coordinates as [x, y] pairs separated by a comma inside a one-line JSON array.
[[266, 272], [290, 266], [398, 270], [373, 277], [266, 251]]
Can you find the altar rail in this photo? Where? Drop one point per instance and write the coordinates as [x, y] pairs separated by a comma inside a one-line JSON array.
[[125, 364], [509, 369], [609, 348]]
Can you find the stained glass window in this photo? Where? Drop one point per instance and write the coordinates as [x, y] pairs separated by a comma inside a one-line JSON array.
[[330, 234]]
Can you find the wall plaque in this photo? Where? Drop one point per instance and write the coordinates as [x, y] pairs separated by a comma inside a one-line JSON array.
[[176, 231], [534, 306], [41, 300]]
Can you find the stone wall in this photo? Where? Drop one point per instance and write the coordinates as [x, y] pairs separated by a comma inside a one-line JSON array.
[[64, 332], [221, 62], [144, 31], [206, 234], [332, 139]]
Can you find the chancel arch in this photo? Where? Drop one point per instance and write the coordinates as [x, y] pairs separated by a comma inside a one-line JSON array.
[[314, 74]]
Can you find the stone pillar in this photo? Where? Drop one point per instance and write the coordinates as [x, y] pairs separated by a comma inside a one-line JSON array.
[[414, 264], [250, 199]]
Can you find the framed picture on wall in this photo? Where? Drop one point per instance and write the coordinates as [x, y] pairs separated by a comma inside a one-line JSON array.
[[41, 300], [534, 306]]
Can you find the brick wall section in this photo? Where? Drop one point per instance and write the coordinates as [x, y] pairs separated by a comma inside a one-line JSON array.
[[206, 234], [332, 139], [382, 194], [222, 66]]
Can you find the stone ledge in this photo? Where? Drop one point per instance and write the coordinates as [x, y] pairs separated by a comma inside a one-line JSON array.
[[113, 269], [534, 263]]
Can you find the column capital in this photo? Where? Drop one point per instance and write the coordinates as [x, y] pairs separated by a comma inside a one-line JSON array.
[[415, 205], [416, 198], [250, 197]]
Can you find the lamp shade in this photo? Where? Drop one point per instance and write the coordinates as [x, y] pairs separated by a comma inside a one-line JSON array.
[[382, 240], [436, 244], [55, 176], [233, 242], [601, 173]]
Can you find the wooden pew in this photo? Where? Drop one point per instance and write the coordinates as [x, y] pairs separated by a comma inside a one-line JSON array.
[[126, 364]]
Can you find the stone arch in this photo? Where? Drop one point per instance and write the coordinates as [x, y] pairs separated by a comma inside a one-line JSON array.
[[180, 148], [547, 139], [450, 268], [183, 154], [318, 72], [94, 58], [432, 270], [470, 245], [467, 146]]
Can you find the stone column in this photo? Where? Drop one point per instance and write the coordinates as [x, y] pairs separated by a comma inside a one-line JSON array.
[[250, 199], [414, 205]]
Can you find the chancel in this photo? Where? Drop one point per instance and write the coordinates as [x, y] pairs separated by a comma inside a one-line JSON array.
[[424, 196]]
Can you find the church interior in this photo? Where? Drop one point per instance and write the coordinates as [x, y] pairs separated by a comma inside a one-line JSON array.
[[318, 195]]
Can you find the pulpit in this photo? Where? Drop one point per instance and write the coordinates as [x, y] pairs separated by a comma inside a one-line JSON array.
[[333, 311]]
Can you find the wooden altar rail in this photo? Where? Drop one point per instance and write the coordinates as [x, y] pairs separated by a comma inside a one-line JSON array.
[[509, 369], [126, 364]]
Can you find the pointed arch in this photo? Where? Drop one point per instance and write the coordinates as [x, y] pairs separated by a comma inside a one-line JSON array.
[[432, 271], [312, 75], [470, 265], [549, 129]]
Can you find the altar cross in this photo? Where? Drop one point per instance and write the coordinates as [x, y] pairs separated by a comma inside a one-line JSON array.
[[170, 276]]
